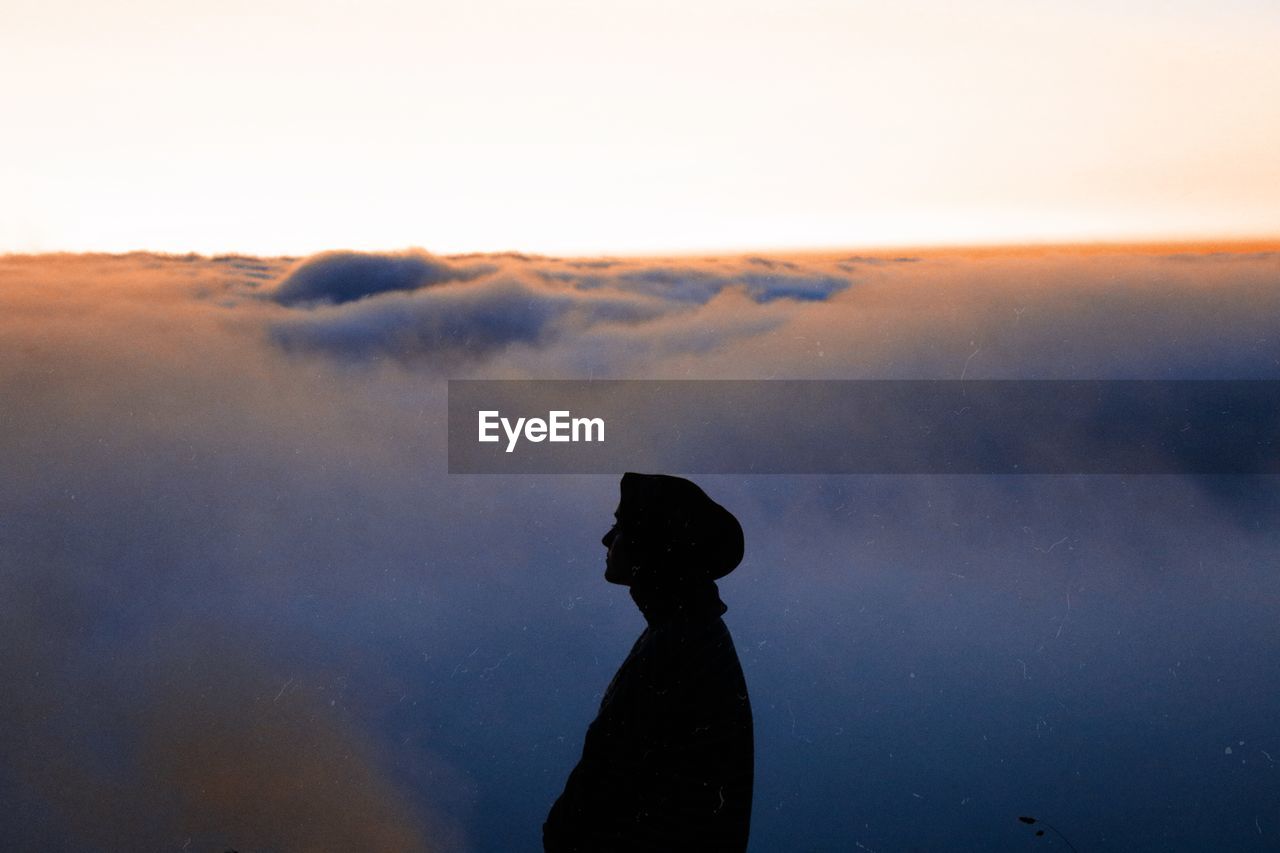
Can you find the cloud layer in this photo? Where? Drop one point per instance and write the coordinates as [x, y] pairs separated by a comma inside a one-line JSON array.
[[243, 590], [415, 308]]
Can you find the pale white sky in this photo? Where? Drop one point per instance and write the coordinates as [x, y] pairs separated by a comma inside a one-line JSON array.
[[633, 127]]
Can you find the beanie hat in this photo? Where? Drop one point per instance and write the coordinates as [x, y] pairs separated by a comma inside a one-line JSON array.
[[675, 522]]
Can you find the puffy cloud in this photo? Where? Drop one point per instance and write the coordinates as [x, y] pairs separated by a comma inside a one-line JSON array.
[[336, 277], [456, 322], [700, 285], [768, 287], [415, 308]]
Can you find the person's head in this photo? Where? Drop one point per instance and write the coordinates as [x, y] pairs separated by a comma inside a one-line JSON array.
[[667, 532]]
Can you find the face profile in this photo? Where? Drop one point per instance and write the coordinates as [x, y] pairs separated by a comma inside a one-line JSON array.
[[668, 763], [621, 560]]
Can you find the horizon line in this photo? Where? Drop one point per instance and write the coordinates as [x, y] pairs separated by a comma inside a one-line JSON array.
[[1231, 245]]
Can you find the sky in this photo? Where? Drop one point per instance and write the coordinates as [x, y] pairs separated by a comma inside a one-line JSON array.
[[247, 607], [633, 128]]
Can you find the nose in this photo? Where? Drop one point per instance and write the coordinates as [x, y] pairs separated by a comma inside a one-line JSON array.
[[608, 538]]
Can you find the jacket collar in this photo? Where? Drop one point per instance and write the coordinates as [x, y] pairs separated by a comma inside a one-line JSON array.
[[698, 601]]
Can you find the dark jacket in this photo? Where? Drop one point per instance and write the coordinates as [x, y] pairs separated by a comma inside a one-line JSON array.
[[667, 765]]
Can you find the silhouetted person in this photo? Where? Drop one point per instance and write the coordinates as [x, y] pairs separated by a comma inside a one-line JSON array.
[[667, 764]]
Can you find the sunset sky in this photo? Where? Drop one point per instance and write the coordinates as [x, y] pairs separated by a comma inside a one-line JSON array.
[[250, 603], [563, 127]]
